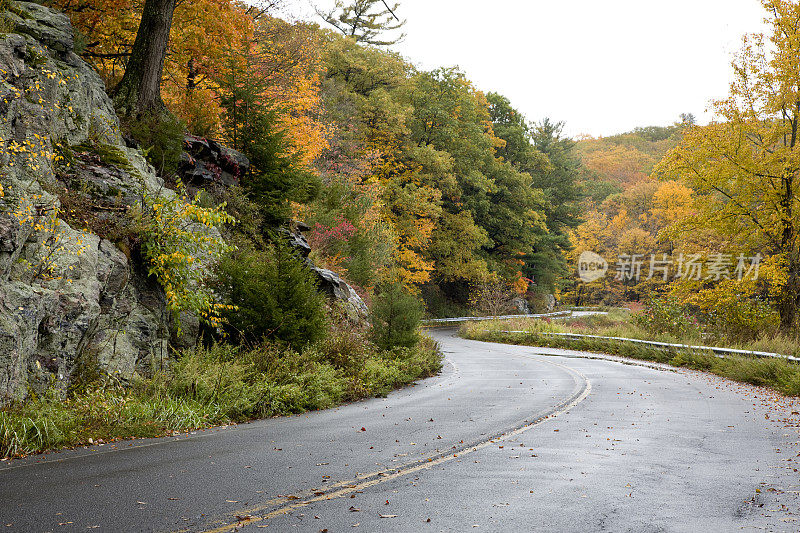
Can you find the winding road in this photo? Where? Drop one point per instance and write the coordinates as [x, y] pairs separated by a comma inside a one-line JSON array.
[[507, 438]]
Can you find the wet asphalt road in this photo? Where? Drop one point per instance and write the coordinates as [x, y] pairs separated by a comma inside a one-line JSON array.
[[505, 439]]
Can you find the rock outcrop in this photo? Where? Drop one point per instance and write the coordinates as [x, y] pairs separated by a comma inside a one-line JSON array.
[[65, 294], [206, 162], [520, 305], [329, 281], [335, 287], [68, 296]]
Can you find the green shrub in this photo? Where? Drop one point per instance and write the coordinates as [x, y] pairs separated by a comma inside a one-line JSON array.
[[737, 318], [345, 349], [395, 318], [274, 294], [161, 138], [178, 245], [668, 315]]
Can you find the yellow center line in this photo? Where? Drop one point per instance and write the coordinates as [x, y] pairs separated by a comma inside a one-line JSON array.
[[363, 481]]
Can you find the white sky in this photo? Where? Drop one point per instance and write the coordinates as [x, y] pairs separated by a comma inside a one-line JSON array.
[[602, 66]]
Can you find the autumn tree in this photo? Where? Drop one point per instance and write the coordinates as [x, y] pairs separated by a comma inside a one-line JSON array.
[[365, 20], [745, 166], [375, 217], [252, 126]]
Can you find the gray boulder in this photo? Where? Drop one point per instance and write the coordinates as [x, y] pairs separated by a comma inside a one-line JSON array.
[[46, 26], [520, 305], [336, 288]]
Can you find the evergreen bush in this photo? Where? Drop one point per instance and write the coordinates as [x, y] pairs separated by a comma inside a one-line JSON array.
[[274, 294], [395, 318]]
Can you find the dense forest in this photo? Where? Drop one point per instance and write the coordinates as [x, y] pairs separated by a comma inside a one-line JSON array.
[[336, 166], [404, 176]]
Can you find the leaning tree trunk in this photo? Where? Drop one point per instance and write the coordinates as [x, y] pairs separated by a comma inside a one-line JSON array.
[[790, 294], [139, 91], [790, 298]]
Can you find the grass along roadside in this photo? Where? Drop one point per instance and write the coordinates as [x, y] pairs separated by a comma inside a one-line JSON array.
[[781, 375], [214, 386]]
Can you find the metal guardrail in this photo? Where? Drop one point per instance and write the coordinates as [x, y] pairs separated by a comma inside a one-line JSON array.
[[499, 317], [720, 352]]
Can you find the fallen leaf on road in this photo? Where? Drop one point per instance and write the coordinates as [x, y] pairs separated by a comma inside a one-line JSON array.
[[142, 503], [354, 509], [388, 516], [232, 501]]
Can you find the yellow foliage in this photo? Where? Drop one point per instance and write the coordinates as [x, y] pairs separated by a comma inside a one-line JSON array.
[[179, 248]]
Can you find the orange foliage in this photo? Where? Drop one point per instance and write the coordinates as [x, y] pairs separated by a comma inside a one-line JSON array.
[[204, 34], [290, 61]]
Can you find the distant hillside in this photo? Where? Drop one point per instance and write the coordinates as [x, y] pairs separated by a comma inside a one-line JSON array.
[[625, 211], [616, 163]]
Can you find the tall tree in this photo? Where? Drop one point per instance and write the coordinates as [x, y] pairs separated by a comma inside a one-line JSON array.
[[252, 125], [745, 167], [365, 20], [139, 91], [562, 195], [511, 126]]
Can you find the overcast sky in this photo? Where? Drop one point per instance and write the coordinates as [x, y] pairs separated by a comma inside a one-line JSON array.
[[601, 66]]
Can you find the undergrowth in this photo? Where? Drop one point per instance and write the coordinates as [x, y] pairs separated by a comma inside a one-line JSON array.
[[214, 386]]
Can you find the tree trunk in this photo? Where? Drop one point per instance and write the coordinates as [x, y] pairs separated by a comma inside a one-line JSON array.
[[191, 77], [790, 297], [139, 91]]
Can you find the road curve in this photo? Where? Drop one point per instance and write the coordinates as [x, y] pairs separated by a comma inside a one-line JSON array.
[[505, 439]]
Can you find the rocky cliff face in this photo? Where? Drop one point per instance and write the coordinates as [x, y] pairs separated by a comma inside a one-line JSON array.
[[65, 294], [68, 296]]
